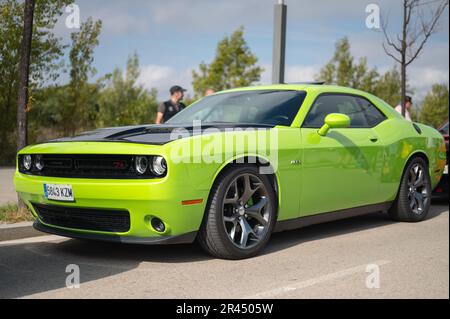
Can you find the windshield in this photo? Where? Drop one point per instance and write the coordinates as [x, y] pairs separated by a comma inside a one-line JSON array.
[[250, 107]]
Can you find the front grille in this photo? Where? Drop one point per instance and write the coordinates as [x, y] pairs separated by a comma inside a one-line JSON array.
[[86, 166], [84, 218]]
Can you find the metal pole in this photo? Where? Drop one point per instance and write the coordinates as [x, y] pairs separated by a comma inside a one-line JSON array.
[[279, 42]]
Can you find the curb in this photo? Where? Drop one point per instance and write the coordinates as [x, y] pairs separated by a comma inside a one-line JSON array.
[[18, 231]]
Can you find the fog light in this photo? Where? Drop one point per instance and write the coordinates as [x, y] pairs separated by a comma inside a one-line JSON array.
[[27, 162], [158, 225], [141, 164], [39, 163]]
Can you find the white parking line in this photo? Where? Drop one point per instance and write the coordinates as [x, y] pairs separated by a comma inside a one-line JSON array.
[[314, 281], [39, 239]]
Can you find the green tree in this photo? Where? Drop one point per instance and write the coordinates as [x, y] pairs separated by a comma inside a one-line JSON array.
[[47, 49], [343, 70], [124, 101], [435, 106], [233, 66], [45, 115], [388, 87], [80, 110]]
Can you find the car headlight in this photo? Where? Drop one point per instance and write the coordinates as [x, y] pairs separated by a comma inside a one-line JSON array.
[[39, 162], [26, 162], [159, 166], [141, 164]]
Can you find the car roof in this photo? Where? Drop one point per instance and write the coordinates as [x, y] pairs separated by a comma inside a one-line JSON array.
[[309, 87]]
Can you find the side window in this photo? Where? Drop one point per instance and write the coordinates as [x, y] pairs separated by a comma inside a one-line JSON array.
[[371, 112], [361, 112]]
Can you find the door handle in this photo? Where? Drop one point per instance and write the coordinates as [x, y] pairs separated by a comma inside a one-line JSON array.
[[373, 138]]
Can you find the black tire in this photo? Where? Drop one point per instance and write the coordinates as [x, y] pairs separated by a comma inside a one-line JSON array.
[[213, 235], [406, 207]]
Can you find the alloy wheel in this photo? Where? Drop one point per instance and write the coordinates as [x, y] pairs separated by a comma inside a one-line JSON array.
[[418, 195], [246, 211]]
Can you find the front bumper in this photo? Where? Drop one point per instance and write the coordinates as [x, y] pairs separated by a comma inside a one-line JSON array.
[[143, 199], [180, 239]]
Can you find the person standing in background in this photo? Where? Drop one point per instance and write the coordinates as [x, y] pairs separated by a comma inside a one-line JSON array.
[[408, 105], [209, 92], [171, 107]]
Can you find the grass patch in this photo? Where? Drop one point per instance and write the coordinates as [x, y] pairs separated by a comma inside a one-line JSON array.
[[10, 214]]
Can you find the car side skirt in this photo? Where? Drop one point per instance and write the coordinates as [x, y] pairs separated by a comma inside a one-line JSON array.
[[179, 239], [330, 216]]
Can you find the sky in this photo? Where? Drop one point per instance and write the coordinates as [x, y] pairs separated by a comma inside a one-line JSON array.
[[172, 37]]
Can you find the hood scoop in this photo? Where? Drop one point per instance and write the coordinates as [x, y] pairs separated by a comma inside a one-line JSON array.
[[145, 134]]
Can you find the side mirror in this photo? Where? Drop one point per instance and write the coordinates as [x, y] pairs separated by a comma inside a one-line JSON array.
[[334, 120]]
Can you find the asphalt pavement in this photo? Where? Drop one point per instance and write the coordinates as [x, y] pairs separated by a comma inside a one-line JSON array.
[[363, 257]]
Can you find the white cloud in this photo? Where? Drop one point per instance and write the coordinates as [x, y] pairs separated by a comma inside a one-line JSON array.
[[301, 73], [422, 78], [293, 73], [266, 76], [162, 77]]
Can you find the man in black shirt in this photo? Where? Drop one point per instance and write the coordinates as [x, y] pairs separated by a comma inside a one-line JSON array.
[[171, 107]]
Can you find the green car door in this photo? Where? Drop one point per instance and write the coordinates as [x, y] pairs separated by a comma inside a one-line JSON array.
[[341, 168]]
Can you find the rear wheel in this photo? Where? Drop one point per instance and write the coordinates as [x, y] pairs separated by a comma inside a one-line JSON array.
[[240, 215], [414, 197]]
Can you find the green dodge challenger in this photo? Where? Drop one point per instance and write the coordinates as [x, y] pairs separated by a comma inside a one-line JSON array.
[[234, 167]]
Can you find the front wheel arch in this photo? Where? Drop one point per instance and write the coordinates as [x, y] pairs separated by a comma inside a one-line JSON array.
[[253, 160], [211, 236]]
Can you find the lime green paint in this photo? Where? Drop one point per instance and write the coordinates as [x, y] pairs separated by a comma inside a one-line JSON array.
[[338, 169], [334, 120]]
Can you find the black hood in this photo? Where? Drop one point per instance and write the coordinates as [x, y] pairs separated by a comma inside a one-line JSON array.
[[148, 134]]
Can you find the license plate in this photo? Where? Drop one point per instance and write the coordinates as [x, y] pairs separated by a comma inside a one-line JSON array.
[[59, 192]]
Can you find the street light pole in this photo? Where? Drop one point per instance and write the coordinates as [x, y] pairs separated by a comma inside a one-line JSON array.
[[279, 42]]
